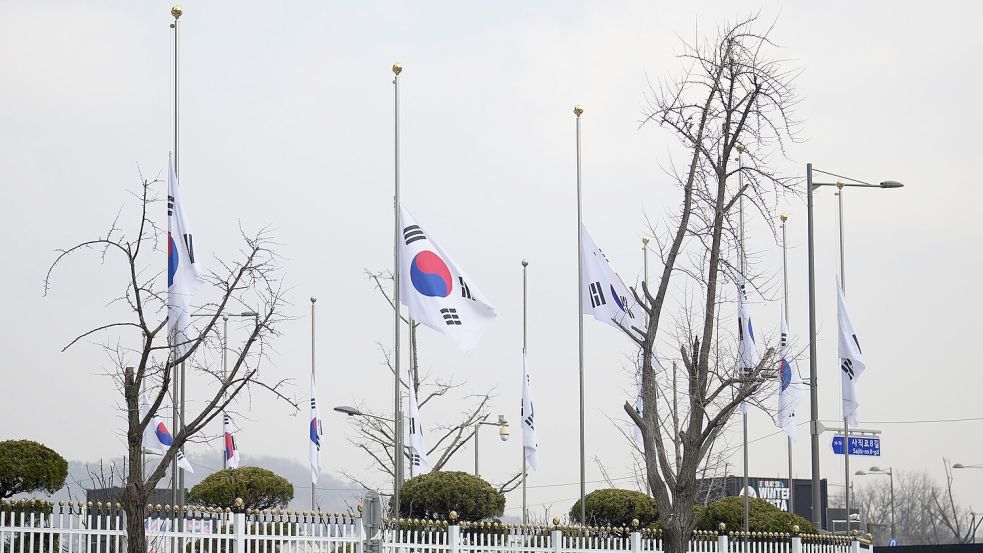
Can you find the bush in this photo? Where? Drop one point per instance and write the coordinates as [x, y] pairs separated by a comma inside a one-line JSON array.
[[616, 507], [28, 467], [763, 517], [259, 489], [439, 493]]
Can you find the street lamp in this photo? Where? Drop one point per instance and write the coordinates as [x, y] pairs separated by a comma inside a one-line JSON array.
[[873, 471], [354, 412], [817, 517], [962, 466], [503, 433]]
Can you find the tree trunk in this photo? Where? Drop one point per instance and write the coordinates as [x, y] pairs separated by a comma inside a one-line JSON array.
[[136, 492], [136, 514]]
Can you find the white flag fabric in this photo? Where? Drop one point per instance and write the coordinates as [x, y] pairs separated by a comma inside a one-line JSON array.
[[183, 273], [851, 361], [436, 291], [419, 464], [231, 449], [790, 389], [746, 346], [157, 438], [530, 444], [605, 296], [316, 431]]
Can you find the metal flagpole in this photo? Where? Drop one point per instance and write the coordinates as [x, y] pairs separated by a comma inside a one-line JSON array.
[[313, 380], [846, 422], [525, 326], [225, 373], [578, 111], [397, 392], [740, 184], [817, 512], [645, 276], [791, 484], [176, 388]]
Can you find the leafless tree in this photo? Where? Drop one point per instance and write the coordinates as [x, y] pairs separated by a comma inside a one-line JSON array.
[[136, 341], [925, 512], [375, 437], [731, 94]]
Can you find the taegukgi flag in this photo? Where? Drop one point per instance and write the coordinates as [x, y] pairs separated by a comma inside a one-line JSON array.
[[183, 273], [436, 291], [316, 431], [605, 296], [419, 464], [231, 448], [530, 444], [790, 389], [852, 363], [746, 347], [156, 437]]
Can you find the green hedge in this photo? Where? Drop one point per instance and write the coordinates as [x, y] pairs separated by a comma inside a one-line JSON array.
[[764, 517], [259, 489], [617, 507], [439, 493]]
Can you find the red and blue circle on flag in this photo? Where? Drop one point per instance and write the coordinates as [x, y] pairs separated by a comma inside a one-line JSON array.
[[430, 275]]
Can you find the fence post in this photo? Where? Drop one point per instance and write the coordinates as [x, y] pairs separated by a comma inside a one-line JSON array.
[[556, 538], [796, 544], [636, 541], [854, 544], [239, 533], [453, 534], [722, 545]]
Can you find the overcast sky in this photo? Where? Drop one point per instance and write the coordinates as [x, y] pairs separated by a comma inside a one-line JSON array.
[[287, 122]]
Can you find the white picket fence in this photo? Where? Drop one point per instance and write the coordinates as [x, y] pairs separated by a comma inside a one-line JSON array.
[[422, 536], [36, 527]]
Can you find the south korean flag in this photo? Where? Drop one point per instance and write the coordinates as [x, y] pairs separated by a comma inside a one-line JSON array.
[[605, 296], [436, 291]]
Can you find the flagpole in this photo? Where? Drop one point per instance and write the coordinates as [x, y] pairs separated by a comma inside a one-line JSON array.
[[578, 111], [525, 266], [177, 416], [791, 485], [740, 184], [225, 370], [645, 276], [397, 416], [313, 486], [846, 420]]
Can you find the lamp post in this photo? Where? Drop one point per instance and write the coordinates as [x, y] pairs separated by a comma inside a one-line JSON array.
[[353, 412], [503, 433], [817, 516], [890, 473], [962, 466]]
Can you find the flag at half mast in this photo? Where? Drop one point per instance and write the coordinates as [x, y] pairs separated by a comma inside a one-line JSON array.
[[605, 296], [183, 273], [316, 431], [156, 437], [852, 363], [436, 291], [530, 443], [419, 463], [790, 386], [746, 347], [231, 448]]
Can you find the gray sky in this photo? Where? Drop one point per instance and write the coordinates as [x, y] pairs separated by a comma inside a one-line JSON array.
[[287, 121]]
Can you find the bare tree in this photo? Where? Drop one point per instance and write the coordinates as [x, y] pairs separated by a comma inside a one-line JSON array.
[[925, 513], [374, 436], [731, 95], [137, 341]]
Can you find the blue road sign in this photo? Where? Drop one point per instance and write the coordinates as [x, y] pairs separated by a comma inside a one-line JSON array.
[[859, 445]]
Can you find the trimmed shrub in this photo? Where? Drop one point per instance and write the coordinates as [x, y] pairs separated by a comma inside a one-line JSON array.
[[763, 516], [439, 493], [617, 507], [27, 467], [259, 489]]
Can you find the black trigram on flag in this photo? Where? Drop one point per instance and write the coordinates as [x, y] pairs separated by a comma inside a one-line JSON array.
[[847, 366], [465, 291], [530, 420], [596, 294], [190, 244], [855, 341], [313, 406], [740, 329], [784, 341], [413, 233], [415, 459], [170, 205], [450, 316], [624, 306], [412, 425]]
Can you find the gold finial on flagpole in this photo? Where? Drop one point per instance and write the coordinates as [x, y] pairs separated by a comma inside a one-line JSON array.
[[176, 11], [783, 217], [578, 110], [840, 184], [525, 263], [645, 240], [397, 68]]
